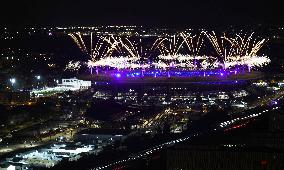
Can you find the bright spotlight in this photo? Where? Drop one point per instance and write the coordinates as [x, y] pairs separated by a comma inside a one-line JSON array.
[[13, 80]]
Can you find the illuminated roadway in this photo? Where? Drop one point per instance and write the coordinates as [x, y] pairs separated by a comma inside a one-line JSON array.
[[223, 126], [68, 134]]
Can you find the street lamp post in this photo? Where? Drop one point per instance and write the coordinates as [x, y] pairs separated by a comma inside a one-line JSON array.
[[12, 81], [38, 77]]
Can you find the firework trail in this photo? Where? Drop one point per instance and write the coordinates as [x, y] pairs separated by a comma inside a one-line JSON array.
[[170, 46], [245, 45], [100, 47], [130, 52], [138, 49], [193, 42], [77, 38]]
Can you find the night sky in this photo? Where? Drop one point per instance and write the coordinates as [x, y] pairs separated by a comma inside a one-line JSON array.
[[147, 12]]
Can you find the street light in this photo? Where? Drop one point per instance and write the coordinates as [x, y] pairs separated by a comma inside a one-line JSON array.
[[38, 77], [13, 81]]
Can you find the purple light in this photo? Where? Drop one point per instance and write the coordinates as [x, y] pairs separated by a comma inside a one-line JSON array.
[[170, 73], [118, 75]]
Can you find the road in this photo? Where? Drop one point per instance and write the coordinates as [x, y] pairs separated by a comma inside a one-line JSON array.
[[67, 134], [232, 123]]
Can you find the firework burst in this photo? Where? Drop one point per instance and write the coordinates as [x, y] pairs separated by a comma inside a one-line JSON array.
[[134, 53]]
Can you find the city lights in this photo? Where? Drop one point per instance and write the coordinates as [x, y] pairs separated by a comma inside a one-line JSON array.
[[129, 96]]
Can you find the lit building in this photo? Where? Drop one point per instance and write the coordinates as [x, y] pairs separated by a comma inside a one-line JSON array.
[[75, 84], [47, 157]]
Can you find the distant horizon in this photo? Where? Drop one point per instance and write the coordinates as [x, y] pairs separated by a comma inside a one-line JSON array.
[[167, 26], [172, 13]]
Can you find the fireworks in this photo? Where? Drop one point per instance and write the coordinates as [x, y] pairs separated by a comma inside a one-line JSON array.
[[73, 66], [193, 42], [98, 46], [116, 62], [240, 50], [182, 51], [170, 46]]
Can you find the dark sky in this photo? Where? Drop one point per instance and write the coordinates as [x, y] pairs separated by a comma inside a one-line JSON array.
[[149, 12]]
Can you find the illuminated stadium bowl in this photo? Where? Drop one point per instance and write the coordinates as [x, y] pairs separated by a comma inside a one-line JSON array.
[[178, 55]]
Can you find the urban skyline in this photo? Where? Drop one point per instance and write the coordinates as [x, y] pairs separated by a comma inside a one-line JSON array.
[[141, 85]]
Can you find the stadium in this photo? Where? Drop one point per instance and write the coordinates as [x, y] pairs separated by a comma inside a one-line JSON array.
[[203, 56]]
